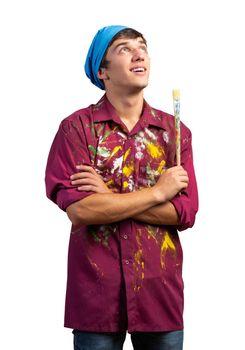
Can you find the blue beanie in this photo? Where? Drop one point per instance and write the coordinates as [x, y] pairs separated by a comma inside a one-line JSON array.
[[96, 52]]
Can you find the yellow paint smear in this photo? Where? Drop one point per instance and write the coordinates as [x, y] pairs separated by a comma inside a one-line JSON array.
[[154, 151], [138, 256], [110, 182], [167, 244], [138, 266], [125, 184], [161, 166], [151, 233], [126, 154], [115, 150], [128, 169]]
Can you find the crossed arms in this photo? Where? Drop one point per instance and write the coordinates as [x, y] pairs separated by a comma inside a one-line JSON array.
[[150, 205]]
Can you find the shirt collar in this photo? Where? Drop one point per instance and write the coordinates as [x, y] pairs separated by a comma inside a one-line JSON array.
[[104, 111]]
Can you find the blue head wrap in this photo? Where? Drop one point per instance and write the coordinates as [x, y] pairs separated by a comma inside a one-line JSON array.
[[97, 50]]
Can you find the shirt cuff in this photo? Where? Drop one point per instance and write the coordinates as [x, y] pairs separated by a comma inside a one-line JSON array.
[[66, 197], [184, 210]]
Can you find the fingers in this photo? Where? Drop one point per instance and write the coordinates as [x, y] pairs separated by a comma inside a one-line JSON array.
[[177, 172], [87, 176], [84, 178], [82, 175], [88, 188], [86, 184], [172, 181], [85, 171], [86, 168], [87, 179]]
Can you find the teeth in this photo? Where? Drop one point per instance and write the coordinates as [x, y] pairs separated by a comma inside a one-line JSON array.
[[138, 69]]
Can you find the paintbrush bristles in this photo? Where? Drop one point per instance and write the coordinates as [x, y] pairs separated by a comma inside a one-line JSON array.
[[176, 94]]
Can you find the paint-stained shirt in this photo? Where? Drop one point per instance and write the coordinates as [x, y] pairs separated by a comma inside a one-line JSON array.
[[128, 274]]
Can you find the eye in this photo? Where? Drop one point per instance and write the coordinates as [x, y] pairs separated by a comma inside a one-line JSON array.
[[144, 49], [124, 49]]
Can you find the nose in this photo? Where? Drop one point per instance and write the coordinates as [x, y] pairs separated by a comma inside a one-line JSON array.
[[138, 55]]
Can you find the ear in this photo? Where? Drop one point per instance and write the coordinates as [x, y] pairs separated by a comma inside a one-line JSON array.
[[102, 74]]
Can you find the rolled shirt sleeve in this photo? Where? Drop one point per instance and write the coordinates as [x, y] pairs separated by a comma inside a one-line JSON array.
[[68, 149], [186, 203]]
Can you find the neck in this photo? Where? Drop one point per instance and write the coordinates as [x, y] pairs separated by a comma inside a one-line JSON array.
[[128, 107]]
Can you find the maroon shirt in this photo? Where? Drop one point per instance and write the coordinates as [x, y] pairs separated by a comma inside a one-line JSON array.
[[124, 275]]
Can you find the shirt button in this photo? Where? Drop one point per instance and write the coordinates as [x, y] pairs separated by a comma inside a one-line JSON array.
[[126, 262], [125, 236]]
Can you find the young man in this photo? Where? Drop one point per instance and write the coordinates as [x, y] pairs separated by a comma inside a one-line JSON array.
[[112, 168]]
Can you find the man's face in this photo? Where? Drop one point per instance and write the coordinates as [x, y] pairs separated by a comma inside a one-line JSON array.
[[129, 65]]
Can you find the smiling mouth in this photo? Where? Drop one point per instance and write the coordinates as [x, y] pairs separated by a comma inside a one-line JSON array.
[[138, 69]]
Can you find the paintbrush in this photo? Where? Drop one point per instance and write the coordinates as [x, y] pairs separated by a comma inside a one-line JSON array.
[[176, 101]]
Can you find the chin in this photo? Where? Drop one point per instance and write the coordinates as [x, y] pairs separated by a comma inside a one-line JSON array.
[[136, 89], [142, 86]]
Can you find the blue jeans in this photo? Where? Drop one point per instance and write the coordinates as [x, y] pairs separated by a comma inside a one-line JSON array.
[[140, 340]]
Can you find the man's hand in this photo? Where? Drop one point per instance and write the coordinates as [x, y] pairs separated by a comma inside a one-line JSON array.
[[171, 182], [88, 180]]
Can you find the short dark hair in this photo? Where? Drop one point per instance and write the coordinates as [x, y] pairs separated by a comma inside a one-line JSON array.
[[129, 33]]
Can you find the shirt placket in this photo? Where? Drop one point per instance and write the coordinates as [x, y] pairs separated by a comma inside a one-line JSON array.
[[125, 227]]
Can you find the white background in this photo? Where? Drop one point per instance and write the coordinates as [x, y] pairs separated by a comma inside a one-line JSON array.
[[196, 46]]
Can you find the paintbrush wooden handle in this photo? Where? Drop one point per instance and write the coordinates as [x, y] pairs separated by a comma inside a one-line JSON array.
[[176, 102]]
